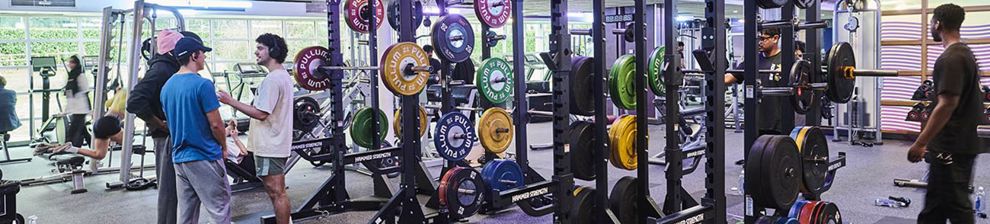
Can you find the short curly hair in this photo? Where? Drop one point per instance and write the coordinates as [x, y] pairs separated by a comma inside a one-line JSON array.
[[277, 48], [951, 16]]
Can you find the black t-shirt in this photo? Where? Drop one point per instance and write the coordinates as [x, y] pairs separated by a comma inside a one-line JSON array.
[[434, 72], [770, 106], [957, 73]]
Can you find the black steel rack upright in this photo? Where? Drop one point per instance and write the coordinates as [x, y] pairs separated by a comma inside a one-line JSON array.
[[598, 89]]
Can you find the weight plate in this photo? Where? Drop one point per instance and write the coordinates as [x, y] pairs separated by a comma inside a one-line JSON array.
[[362, 127], [584, 205], [393, 14], [781, 169], [788, 221], [453, 38], [806, 211], [397, 68], [654, 71], [494, 80], [623, 199], [582, 141], [767, 220], [813, 147], [423, 122], [454, 136], [495, 13], [624, 145], [803, 96], [795, 210], [771, 4], [827, 213], [840, 87], [501, 175], [308, 60], [358, 15], [755, 178], [581, 83], [614, 134], [461, 191], [621, 82], [306, 114], [495, 130], [804, 4]]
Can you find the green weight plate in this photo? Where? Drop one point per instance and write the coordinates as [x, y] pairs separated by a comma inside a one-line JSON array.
[[362, 127], [654, 72], [494, 80], [622, 83]]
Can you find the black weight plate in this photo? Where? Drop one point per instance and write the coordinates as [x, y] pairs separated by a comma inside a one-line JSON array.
[[754, 179], [464, 191], [767, 220], [582, 145], [393, 14], [584, 205], [453, 38], [771, 4], [464, 71], [624, 199], [840, 88], [305, 114], [800, 79], [581, 83], [827, 214], [782, 169], [813, 146]]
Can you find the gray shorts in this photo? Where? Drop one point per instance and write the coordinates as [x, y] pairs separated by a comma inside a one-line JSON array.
[[267, 166]]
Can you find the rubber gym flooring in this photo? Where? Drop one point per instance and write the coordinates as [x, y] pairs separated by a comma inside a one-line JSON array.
[[868, 176]]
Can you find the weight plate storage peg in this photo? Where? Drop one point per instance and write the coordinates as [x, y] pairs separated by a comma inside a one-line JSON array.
[[773, 171], [308, 60], [624, 199], [495, 130], [581, 83], [623, 146], [840, 78], [393, 14], [454, 136], [362, 128], [621, 81], [423, 122], [494, 80], [813, 148], [502, 174], [405, 68], [461, 191], [306, 114], [453, 38], [495, 13], [655, 71], [358, 15]]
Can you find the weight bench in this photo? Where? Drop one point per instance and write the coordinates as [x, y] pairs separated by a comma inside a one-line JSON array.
[[71, 164]]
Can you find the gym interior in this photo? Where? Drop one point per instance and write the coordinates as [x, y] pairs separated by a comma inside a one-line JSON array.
[[538, 111]]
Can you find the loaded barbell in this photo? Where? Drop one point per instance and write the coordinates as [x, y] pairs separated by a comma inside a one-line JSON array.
[[404, 68]]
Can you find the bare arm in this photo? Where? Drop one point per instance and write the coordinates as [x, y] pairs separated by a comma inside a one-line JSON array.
[[100, 152], [730, 79], [939, 117], [249, 110], [216, 126], [240, 145]]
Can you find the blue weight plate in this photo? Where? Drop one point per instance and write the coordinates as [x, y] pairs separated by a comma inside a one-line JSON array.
[[454, 136], [453, 38], [501, 174], [796, 209]]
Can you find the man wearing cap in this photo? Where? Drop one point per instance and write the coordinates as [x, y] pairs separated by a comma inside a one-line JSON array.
[[144, 102], [190, 104]]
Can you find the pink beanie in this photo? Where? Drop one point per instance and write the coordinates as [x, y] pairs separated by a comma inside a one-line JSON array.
[[166, 40]]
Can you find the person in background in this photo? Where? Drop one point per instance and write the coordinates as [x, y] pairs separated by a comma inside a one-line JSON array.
[[270, 136], [106, 131], [236, 151], [949, 141], [144, 102], [8, 99], [77, 104], [799, 49], [191, 107], [434, 66]]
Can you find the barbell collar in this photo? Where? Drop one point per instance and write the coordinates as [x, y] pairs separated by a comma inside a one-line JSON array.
[[777, 91], [876, 73]]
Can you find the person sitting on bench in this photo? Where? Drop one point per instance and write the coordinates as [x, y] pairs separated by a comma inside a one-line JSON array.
[[106, 131], [8, 99], [236, 151]]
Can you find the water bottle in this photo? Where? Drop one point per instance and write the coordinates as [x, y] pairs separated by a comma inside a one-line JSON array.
[[742, 182], [32, 219], [980, 193]]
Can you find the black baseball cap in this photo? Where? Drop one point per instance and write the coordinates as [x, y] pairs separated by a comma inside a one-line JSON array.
[[188, 45], [105, 127]]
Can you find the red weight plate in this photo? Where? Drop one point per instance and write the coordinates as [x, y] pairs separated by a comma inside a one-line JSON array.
[[358, 15], [495, 13], [308, 60]]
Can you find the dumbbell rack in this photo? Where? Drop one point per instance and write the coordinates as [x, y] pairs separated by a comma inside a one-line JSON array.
[[753, 93], [332, 196]]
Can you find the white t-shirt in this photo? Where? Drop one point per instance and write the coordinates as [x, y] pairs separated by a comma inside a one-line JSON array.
[[78, 103], [273, 137]]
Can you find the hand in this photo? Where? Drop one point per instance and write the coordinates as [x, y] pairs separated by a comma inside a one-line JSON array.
[[224, 97], [917, 152]]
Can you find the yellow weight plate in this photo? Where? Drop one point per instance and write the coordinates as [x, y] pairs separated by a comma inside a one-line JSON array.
[[423, 122], [495, 130], [623, 136], [398, 68]]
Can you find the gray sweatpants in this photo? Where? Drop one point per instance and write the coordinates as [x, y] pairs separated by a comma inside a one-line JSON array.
[[203, 182], [165, 172]]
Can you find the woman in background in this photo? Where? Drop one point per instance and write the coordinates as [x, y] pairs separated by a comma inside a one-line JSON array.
[[77, 104]]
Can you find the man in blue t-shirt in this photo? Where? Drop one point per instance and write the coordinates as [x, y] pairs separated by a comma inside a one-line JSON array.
[[190, 104]]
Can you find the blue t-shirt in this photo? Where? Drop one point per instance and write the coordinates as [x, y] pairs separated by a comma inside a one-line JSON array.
[[186, 98]]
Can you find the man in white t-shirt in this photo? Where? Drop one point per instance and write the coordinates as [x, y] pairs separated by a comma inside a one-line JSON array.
[[270, 136]]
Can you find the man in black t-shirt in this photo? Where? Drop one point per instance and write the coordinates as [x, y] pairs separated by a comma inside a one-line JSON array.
[[434, 66], [770, 106], [949, 141]]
